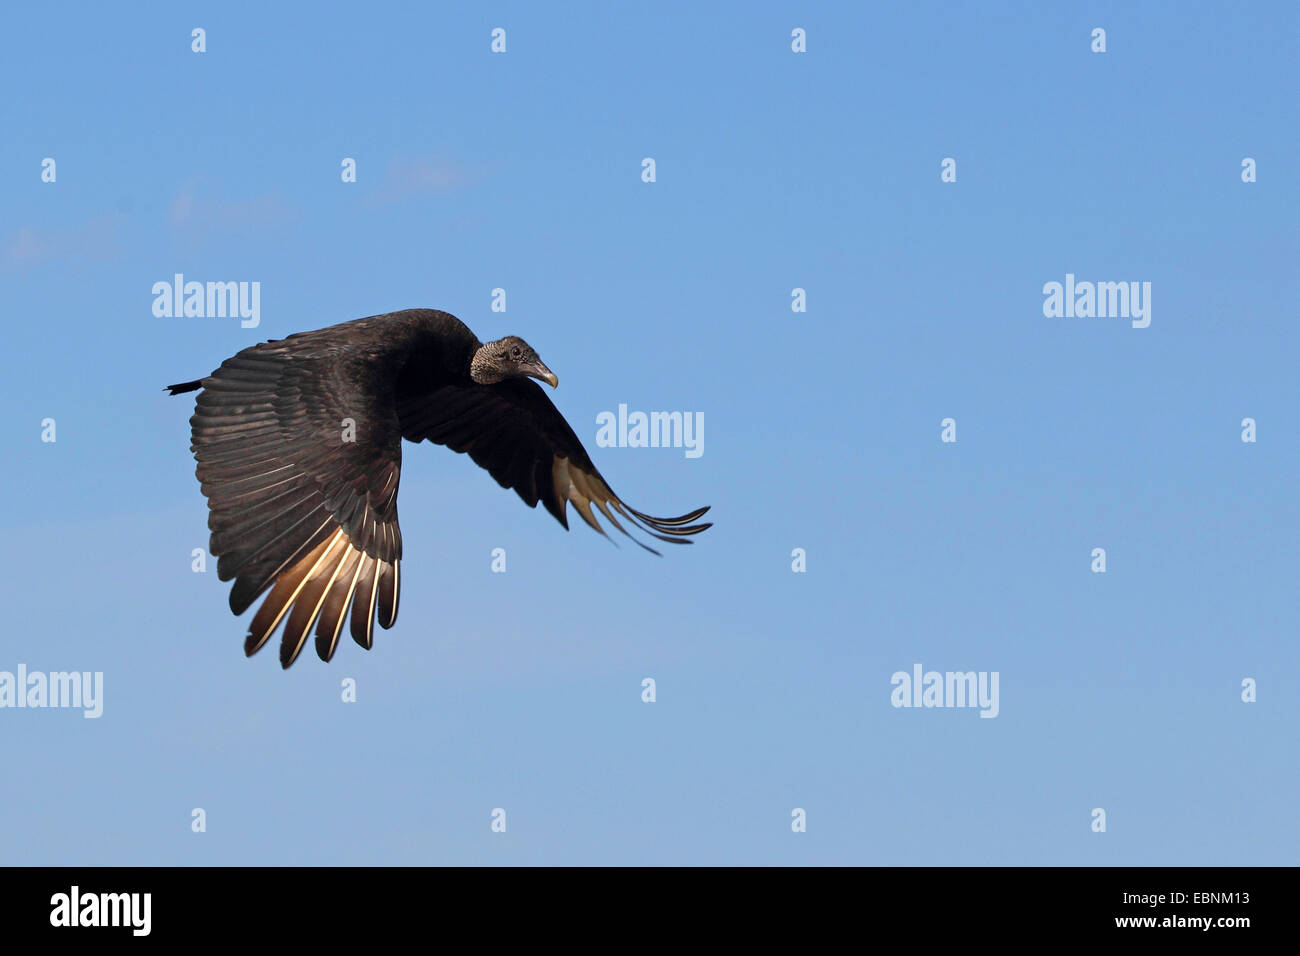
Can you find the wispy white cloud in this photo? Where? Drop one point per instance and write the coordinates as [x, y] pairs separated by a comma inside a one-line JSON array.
[[430, 175], [96, 240], [199, 215]]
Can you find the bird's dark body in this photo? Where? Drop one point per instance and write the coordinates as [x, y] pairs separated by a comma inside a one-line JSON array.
[[299, 447]]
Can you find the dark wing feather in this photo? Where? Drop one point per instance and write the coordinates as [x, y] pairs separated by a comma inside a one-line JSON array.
[[294, 506], [513, 430]]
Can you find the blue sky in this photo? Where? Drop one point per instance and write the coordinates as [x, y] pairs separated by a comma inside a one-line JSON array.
[[774, 171]]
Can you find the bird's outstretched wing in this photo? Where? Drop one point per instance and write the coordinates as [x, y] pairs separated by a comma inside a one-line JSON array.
[[513, 430], [299, 454]]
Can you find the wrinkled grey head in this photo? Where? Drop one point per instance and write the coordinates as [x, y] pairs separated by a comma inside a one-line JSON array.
[[510, 357]]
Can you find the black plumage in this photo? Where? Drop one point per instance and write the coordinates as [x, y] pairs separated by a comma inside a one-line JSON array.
[[299, 450]]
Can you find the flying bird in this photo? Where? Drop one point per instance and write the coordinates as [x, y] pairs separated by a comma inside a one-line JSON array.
[[299, 450]]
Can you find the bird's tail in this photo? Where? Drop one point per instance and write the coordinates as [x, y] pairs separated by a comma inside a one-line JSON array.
[[185, 387]]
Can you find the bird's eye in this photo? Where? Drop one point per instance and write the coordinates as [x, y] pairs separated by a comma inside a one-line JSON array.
[[515, 353]]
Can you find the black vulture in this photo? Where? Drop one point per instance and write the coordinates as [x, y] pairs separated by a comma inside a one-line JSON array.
[[299, 450]]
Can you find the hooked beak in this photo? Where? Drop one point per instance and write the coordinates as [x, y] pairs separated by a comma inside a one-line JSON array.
[[540, 371]]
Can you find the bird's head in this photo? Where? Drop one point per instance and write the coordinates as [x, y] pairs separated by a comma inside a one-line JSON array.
[[510, 357]]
